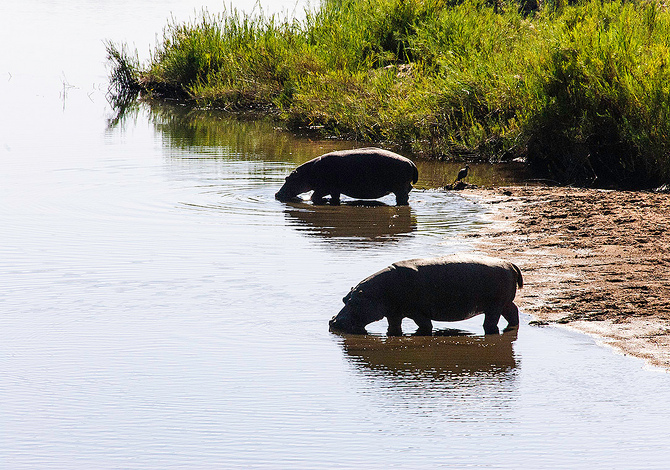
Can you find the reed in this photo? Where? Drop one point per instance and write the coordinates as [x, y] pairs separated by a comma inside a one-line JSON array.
[[580, 91], [124, 73]]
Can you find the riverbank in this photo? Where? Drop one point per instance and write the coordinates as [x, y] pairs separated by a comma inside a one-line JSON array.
[[596, 261], [577, 91]]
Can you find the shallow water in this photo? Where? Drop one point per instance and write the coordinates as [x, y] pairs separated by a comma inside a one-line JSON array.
[[159, 309]]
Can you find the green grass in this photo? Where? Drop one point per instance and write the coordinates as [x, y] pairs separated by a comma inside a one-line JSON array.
[[581, 91], [603, 97]]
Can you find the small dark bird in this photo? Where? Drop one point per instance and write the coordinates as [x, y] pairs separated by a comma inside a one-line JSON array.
[[462, 173]]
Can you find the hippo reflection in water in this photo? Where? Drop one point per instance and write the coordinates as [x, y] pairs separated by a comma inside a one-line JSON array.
[[353, 223], [450, 288], [413, 361], [367, 173]]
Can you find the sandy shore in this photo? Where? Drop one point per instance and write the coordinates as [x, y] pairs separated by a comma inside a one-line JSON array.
[[597, 261]]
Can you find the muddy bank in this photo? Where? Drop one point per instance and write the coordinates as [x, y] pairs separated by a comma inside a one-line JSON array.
[[597, 261]]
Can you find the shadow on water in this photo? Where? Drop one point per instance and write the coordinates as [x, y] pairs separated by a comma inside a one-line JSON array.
[[363, 221], [446, 354]]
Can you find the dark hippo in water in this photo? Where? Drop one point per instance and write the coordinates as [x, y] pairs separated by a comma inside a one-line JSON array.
[[450, 288], [367, 173]]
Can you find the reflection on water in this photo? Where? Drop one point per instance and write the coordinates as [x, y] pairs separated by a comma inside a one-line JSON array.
[[365, 224], [212, 133], [447, 354], [363, 221], [436, 174], [457, 385]]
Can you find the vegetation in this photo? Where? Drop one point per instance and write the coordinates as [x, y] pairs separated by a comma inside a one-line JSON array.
[[581, 91]]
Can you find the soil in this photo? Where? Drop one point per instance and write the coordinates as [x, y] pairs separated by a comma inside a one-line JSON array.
[[594, 260]]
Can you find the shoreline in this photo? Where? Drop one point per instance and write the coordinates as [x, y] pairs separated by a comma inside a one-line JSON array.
[[596, 261]]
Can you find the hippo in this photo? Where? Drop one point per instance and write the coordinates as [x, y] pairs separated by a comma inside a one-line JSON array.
[[367, 173], [449, 288]]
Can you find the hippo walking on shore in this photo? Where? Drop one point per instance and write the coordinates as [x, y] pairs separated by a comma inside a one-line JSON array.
[[367, 173], [450, 288]]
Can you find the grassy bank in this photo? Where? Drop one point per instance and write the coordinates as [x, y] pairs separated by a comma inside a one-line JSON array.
[[581, 91]]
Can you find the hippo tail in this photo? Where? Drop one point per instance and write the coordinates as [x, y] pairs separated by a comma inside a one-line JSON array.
[[519, 277], [415, 177]]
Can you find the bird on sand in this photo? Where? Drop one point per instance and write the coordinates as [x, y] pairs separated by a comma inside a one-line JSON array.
[[462, 173]]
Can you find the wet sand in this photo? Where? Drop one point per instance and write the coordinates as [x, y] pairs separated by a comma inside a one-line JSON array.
[[596, 261]]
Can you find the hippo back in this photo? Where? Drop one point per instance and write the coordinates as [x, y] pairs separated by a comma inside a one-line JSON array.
[[455, 288], [367, 173]]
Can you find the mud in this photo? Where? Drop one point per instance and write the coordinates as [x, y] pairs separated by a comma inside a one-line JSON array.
[[594, 260]]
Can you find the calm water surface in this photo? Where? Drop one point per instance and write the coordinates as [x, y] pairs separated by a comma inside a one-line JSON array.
[[159, 309]]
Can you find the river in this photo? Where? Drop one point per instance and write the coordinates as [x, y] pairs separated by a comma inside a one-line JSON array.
[[160, 309]]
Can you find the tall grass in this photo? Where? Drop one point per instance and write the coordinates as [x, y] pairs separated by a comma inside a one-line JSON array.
[[604, 97], [581, 91]]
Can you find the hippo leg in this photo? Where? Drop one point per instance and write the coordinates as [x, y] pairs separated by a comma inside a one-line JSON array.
[[402, 195], [401, 199], [317, 197], [395, 325], [424, 324], [511, 314], [491, 322]]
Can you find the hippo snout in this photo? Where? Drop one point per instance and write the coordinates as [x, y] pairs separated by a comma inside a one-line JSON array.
[[283, 198], [343, 323], [284, 195]]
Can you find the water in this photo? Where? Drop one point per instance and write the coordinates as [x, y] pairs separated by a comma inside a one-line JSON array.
[[159, 309]]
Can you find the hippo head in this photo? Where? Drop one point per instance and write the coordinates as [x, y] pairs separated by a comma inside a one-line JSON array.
[[294, 184], [357, 312]]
